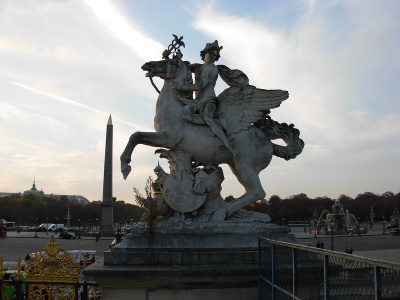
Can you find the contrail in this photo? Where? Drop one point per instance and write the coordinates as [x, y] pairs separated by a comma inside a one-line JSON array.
[[74, 103]]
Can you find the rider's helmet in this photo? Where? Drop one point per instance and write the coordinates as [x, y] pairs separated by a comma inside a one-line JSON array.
[[211, 47]]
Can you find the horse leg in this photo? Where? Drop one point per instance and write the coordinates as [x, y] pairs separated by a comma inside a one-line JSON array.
[[154, 139], [248, 177]]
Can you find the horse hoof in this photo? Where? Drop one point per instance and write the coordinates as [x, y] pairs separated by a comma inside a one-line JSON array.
[[218, 215], [126, 170]]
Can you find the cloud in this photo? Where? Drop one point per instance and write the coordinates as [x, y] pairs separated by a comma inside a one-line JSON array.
[[319, 63], [124, 29], [65, 54], [16, 44], [72, 102], [22, 46], [72, 63]]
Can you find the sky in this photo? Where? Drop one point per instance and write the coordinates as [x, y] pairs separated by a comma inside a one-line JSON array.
[[67, 65]]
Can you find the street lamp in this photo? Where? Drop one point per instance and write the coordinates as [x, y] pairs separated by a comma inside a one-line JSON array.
[[331, 236], [47, 226], [36, 228], [359, 227], [383, 224], [79, 229], [315, 228]]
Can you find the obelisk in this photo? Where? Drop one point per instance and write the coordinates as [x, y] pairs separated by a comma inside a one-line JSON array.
[[107, 204]]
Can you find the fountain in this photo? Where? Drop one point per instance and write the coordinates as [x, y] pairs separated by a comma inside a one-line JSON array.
[[338, 221]]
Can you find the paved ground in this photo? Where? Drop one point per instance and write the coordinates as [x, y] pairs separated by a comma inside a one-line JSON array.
[[19, 244], [372, 245]]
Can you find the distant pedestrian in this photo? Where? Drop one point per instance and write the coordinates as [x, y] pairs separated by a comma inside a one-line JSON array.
[[350, 250], [321, 245], [318, 245], [346, 250]]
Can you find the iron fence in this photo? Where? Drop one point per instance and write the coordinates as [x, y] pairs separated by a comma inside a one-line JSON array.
[[40, 290], [293, 271]]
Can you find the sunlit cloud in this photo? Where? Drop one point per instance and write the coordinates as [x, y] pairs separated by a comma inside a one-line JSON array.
[[122, 28], [16, 45]]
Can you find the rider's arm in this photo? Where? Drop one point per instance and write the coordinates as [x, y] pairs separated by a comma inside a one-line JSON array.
[[206, 79]]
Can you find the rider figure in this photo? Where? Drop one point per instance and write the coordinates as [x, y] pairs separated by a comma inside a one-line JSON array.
[[203, 110]]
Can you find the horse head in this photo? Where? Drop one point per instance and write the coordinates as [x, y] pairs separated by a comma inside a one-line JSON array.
[[167, 68]]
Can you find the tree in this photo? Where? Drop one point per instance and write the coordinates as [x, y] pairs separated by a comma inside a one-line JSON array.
[[148, 203], [388, 194], [274, 200]]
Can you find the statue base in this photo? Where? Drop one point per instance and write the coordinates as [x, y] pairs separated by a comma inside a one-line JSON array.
[[213, 261]]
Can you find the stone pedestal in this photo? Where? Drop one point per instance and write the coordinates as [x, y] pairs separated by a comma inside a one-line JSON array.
[[217, 261], [107, 226]]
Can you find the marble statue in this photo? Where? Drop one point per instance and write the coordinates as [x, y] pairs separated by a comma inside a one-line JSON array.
[[232, 128]]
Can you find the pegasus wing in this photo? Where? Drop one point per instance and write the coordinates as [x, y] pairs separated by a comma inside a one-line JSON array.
[[241, 106]]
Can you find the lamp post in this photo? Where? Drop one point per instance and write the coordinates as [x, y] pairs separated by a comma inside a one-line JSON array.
[[315, 228], [383, 224], [331, 236], [36, 228], [47, 226], [79, 229]]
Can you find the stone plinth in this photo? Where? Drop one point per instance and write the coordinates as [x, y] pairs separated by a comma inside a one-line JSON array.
[[212, 262]]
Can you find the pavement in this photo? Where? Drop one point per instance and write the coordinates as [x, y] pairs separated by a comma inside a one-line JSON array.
[[19, 244], [373, 245]]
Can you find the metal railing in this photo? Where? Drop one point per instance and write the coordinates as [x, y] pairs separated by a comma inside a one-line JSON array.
[[21, 290], [48, 274], [293, 271]]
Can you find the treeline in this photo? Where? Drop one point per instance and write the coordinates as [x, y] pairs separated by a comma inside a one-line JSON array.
[[301, 208], [33, 210]]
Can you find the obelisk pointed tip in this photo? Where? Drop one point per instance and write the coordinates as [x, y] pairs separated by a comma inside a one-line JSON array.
[[109, 120]]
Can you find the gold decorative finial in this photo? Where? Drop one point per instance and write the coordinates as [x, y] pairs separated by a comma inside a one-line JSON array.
[[52, 264]]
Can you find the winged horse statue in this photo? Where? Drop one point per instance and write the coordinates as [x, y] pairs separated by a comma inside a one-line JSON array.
[[243, 111]]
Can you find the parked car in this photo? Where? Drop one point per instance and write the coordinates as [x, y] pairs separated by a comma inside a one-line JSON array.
[[23, 228], [66, 235], [395, 231], [38, 229], [79, 231], [54, 227], [83, 255], [392, 226]]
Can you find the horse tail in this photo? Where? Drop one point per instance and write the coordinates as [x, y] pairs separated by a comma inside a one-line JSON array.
[[287, 133]]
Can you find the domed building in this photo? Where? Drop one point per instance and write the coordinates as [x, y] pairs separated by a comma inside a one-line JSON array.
[[34, 190], [76, 199]]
